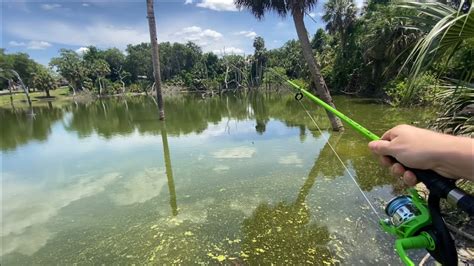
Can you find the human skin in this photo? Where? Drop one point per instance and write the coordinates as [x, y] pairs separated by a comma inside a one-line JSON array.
[[449, 156]]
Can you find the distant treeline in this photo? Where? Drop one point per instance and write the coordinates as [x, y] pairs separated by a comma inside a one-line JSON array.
[[360, 55]]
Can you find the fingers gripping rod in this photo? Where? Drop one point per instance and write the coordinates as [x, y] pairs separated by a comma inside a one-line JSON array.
[[436, 183]]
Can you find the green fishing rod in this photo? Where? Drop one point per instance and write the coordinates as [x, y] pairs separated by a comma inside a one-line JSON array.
[[415, 222]]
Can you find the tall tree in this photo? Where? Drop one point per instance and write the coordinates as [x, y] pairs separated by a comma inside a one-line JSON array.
[[71, 67], [297, 9], [340, 17], [259, 60], [43, 80], [155, 56]]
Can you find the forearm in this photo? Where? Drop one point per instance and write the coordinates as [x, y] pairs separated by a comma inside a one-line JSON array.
[[455, 157]]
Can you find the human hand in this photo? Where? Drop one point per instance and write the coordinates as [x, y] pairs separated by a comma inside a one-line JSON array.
[[413, 147]]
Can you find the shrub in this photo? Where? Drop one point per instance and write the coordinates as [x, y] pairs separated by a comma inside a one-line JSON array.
[[426, 87]]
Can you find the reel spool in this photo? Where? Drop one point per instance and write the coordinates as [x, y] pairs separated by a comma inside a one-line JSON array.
[[400, 210], [417, 225]]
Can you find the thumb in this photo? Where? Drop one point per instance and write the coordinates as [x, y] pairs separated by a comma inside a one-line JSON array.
[[380, 147]]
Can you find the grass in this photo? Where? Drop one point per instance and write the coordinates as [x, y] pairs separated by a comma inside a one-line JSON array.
[[38, 98]]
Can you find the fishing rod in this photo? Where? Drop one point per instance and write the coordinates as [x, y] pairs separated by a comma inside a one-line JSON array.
[[415, 222]]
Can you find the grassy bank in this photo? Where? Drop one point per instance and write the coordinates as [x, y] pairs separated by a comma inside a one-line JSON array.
[[37, 98]]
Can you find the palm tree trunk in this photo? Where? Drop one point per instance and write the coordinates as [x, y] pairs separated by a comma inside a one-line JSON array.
[[321, 88], [155, 56], [169, 171]]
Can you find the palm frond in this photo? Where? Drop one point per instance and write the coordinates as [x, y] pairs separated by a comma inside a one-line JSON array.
[[457, 110], [449, 29]]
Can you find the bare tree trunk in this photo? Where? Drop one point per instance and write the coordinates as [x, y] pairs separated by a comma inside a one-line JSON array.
[[119, 72], [25, 89], [73, 90], [225, 77], [10, 85], [100, 87], [155, 56], [321, 88]]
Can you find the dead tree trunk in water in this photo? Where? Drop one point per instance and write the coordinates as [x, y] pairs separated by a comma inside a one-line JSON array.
[[155, 56], [25, 89], [10, 85]]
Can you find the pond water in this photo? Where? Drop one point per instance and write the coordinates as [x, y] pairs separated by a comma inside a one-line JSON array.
[[233, 180]]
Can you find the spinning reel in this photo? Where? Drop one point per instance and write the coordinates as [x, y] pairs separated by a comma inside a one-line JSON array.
[[417, 224]]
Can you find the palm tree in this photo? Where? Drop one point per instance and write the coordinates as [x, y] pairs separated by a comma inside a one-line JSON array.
[[449, 33], [340, 17], [446, 29], [297, 9], [155, 56]]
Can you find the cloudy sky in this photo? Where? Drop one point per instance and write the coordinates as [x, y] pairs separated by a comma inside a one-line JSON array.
[[41, 28]]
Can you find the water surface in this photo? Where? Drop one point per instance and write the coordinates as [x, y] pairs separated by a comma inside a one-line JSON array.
[[233, 179]]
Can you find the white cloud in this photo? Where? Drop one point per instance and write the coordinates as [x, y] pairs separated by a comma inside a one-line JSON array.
[[141, 187], [187, 2], [221, 168], [315, 15], [15, 43], [228, 51], [291, 159], [359, 3], [33, 45], [235, 153], [85, 5], [38, 45], [27, 208], [82, 50], [198, 35], [50, 6], [281, 24], [60, 32], [218, 5], [249, 34]]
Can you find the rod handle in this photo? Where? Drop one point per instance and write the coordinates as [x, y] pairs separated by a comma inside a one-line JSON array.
[[445, 188]]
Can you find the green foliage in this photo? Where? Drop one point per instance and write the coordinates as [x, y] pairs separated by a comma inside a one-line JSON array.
[[290, 57], [301, 83], [456, 105], [135, 88], [320, 40], [259, 61], [19, 62], [447, 30], [281, 7], [426, 89], [278, 78], [43, 80], [71, 67]]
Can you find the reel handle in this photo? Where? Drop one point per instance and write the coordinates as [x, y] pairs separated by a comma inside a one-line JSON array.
[[445, 188]]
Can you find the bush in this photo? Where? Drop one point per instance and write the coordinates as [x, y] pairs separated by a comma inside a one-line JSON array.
[[424, 89], [301, 83], [135, 88]]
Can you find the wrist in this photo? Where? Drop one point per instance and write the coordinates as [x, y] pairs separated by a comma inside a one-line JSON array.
[[453, 156]]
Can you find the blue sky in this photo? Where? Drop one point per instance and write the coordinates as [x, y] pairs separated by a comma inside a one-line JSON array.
[[41, 28]]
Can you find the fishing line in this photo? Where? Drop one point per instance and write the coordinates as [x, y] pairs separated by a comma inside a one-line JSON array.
[[332, 148], [340, 160]]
